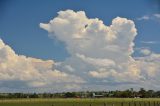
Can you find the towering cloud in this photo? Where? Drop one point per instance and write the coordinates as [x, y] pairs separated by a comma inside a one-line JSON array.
[[100, 53], [103, 51]]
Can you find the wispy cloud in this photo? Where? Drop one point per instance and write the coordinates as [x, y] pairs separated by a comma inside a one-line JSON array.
[[155, 16], [150, 42], [143, 18]]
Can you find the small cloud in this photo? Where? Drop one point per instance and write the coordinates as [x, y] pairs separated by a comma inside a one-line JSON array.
[[156, 15], [143, 18], [145, 51]]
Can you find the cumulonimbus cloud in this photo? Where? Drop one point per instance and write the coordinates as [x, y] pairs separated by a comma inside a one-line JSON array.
[[98, 52], [97, 45]]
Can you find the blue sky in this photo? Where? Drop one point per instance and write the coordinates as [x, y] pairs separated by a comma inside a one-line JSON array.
[[74, 57], [19, 23]]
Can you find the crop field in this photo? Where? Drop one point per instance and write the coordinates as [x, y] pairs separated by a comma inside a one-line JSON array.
[[81, 102]]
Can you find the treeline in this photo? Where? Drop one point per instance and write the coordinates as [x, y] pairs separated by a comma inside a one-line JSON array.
[[130, 93]]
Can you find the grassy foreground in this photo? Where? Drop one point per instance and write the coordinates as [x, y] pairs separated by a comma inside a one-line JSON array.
[[82, 102]]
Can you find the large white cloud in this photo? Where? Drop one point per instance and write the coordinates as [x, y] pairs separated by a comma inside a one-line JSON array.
[[100, 53], [103, 51], [31, 72]]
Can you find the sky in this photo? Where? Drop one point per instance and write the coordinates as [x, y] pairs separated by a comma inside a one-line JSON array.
[[68, 45]]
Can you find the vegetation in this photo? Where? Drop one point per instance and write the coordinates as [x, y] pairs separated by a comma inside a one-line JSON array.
[[130, 93], [105, 98]]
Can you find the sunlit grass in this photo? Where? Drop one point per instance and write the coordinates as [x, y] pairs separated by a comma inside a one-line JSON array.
[[81, 102]]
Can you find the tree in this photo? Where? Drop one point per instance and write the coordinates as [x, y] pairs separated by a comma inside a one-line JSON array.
[[70, 95], [142, 92]]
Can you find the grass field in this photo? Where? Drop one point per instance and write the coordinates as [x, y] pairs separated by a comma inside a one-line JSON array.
[[81, 102]]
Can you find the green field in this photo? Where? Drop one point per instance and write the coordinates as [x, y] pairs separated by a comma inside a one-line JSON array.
[[81, 102]]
